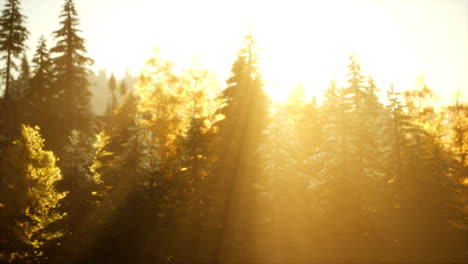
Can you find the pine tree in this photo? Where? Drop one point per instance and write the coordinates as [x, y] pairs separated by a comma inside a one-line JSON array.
[[398, 128], [282, 183], [421, 189], [309, 128], [195, 164], [347, 163], [21, 87], [112, 104], [135, 164], [32, 200], [72, 86], [123, 88], [80, 202], [240, 132], [40, 97], [130, 179], [13, 35], [458, 118], [331, 158], [22, 83], [355, 99], [419, 104]]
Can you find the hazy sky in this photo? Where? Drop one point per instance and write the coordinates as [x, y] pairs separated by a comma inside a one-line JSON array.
[[308, 41]]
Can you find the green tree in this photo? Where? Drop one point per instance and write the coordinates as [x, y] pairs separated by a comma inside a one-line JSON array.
[[70, 64], [23, 82], [13, 35], [76, 160], [21, 87], [40, 97]]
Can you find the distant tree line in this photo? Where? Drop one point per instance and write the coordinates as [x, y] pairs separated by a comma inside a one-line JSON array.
[[177, 170]]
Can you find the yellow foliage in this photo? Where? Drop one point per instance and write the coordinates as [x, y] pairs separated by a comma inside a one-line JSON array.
[[39, 173]]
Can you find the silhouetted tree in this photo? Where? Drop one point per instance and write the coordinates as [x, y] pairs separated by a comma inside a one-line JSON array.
[[13, 35], [123, 88], [72, 86], [112, 104], [240, 132], [40, 97]]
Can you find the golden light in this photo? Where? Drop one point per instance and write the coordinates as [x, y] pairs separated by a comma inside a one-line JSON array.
[[301, 41]]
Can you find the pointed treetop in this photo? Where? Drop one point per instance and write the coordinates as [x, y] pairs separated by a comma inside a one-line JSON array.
[[123, 87], [112, 83]]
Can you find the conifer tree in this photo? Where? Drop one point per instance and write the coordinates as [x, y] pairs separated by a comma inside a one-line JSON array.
[[112, 104], [21, 87], [195, 163], [40, 97], [419, 104], [355, 99], [240, 132], [420, 188], [123, 88], [130, 179], [281, 183], [77, 157], [134, 165], [398, 129], [13, 35], [310, 126], [458, 120], [70, 65], [332, 154], [22, 83]]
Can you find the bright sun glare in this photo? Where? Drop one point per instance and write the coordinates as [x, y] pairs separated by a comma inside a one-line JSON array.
[[304, 41]]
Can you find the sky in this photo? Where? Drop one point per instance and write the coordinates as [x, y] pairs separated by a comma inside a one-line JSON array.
[[300, 41]]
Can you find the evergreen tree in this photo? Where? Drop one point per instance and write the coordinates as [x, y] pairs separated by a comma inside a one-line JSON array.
[[29, 214], [421, 189], [123, 88], [21, 87], [347, 163], [80, 202], [22, 83], [40, 97], [240, 133], [309, 127], [13, 35], [458, 120], [112, 104], [70, 63], [282, 183], [195, 164], [130, 179]]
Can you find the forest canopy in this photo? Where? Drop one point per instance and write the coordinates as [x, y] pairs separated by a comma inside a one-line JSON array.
[[181, 169]]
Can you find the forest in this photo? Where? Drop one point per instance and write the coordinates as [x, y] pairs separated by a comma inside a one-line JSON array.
[[178, 169]]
